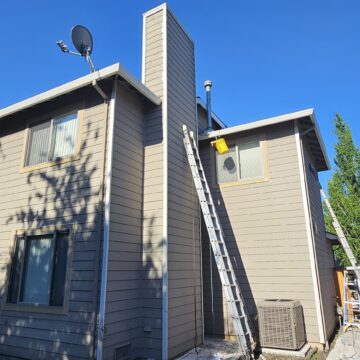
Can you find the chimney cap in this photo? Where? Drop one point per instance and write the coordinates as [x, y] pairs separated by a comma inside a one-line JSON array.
[[208, 84]]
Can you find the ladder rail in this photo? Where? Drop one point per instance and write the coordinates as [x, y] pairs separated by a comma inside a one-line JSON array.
[[222, 235], [342, 238], [217, 241]]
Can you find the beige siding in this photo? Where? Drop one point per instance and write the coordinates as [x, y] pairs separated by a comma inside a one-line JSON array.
[[153, 189], [184, 316], [323, 248], [123, 298], [264, 225], [63, 194]]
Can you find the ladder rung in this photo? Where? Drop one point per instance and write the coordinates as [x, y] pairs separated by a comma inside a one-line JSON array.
[[238, 313]]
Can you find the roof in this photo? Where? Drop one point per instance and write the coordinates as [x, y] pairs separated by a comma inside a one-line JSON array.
[[307, 120], [110, 71], [200, 102]]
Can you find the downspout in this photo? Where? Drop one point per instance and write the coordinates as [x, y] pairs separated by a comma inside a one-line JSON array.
[[200, 236], [208, 86], [108, 156], [310, 230], [165, 303]]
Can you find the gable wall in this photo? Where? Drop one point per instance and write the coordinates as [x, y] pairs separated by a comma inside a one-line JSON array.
[[64, 194], [265, 231], [323, 247]]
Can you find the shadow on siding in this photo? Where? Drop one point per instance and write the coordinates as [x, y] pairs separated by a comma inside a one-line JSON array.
[[61, 195]]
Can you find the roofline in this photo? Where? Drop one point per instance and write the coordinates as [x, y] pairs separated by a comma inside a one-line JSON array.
[[272, 121], [200, 102], [101, 74], [321, 141]]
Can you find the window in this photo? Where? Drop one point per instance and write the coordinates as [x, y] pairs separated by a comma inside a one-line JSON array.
[[52, 140], [243, 161], [38, 272]]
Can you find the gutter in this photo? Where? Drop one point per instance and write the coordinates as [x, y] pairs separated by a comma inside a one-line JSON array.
[[165, 300], [109, 129]]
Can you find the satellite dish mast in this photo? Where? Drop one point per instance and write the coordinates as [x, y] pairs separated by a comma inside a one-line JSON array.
[[83, 42]]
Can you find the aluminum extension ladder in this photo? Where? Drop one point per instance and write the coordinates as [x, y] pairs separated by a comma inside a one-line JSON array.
[[342, 238], [351, 306], [227, 275]]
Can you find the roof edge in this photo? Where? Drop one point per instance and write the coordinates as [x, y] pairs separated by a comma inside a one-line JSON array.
[[321, 141], [200, 102], [257, 124], [112, 70], [272, 121]]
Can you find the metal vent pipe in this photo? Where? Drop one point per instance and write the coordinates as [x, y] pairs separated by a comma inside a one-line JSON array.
[[208, 85]]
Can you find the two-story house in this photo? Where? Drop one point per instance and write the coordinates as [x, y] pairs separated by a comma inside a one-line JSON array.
[[103, 255]]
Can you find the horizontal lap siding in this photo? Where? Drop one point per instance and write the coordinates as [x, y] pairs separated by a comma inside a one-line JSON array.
[[123, 308], [265, 232], [184, 304], [65, 194], [152, 227], [324, 253]]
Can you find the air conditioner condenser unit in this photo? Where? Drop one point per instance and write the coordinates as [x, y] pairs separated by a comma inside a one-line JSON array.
[[281, 324]]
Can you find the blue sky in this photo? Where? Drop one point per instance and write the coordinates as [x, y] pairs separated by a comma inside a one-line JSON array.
[[265, 58]]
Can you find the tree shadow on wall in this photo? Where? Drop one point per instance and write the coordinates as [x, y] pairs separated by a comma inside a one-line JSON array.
[[63, 194], [217, 320]]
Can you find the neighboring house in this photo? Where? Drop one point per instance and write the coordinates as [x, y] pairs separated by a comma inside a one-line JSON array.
[[100, 235]]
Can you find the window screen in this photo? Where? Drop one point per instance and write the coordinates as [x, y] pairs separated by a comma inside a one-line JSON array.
[[227, 167], [65, 136], [251, 160], [36, 284], [38, 147], [243, 161], [52, 140]]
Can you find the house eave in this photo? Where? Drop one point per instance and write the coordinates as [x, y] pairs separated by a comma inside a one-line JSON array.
[[110, 71], [298, 115]]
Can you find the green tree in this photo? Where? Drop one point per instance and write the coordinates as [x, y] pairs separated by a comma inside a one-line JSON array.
[[344, 189]]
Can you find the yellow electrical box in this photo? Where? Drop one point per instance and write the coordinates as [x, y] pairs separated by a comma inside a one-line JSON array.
[[220, 146]]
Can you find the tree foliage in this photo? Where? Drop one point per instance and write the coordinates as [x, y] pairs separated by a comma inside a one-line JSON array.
[[344, 189]]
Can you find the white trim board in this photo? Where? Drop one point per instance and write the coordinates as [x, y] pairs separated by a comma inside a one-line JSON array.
[[309, 234], [272, 121], [165, 300]]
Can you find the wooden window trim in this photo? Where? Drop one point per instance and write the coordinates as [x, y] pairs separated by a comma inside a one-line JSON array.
[[235, 142], [40, 308], [64, 160]]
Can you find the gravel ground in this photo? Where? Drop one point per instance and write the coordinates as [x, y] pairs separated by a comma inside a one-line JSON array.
[[346, 346]]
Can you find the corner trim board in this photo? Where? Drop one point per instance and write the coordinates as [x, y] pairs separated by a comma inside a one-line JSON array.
[[309, 234], [165, 195], [106, 226]]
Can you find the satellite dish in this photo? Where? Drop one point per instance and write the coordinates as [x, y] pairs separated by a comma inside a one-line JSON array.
[[82, 40]]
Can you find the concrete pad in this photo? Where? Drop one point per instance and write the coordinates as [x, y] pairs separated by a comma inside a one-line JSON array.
[[347, 346], [214, 349], [292, 353]]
